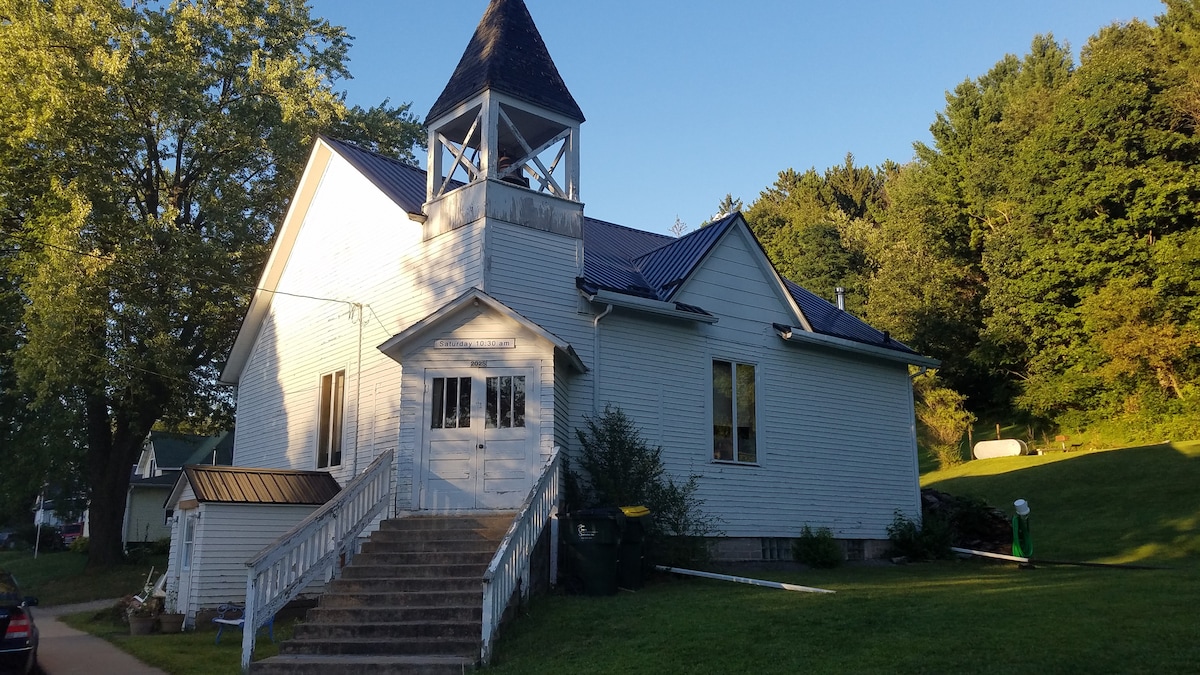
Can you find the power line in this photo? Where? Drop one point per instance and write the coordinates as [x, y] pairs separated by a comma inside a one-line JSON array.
[[213, 282], [106, 360]]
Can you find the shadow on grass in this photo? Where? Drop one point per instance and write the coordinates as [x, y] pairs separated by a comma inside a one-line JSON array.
[[1127, 505]]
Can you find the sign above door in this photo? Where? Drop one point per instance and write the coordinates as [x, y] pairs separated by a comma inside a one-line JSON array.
[[477, 343]]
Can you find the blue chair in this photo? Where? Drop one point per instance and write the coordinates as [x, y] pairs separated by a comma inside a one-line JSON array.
[[234, 614]]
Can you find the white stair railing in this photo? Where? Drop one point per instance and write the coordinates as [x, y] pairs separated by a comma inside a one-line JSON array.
[[316, 548], [509, 568]]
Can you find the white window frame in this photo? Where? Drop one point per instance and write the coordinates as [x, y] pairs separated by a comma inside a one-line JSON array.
[[188, 549], [712, 410], [331, 433]]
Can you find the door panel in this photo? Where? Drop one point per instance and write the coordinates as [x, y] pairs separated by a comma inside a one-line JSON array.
[[506, 439], [451, 456], [479, 443]]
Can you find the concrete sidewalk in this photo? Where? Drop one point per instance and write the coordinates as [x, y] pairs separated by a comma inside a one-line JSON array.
[[62, 650]]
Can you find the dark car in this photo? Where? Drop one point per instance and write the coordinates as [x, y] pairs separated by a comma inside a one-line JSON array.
[[18, 633]]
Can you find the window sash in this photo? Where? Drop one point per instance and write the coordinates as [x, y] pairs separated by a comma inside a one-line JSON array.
[[505, 402], [734, 412], [189, 540], [450, 400], [332, 418]]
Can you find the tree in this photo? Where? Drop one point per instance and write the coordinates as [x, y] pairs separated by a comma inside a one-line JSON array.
[[617, 468], [680, 228], [146, 151], [728, 206], [942, 417], [802, 222]]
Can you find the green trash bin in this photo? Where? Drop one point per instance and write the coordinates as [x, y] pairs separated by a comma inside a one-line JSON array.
[[591, 538], [631, 554]]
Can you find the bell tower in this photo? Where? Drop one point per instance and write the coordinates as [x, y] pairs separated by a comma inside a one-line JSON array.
[[504, 134]]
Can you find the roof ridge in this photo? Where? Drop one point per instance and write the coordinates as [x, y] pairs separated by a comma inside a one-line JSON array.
[[724, 222], [252, 469], [357, 148], [631, 229]]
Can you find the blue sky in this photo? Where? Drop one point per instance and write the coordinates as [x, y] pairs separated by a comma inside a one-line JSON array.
[[688, 101]]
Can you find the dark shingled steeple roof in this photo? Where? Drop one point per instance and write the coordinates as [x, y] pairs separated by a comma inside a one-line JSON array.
[[507, 55]]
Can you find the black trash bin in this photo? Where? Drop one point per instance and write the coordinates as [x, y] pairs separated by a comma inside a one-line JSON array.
[[631, 555], [592, 537]]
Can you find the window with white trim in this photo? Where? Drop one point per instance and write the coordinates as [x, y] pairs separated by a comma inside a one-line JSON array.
[[329, 429], [735, 414], [189, 540]]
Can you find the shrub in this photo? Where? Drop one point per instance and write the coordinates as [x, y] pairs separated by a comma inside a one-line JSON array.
[[947, 455], [817, 549], [80, 545], [931, 540], [942, 419], [618, 468]]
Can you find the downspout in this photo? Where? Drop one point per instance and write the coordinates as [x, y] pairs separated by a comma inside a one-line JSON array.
[[358, 386], [921, 370], [596, 358]]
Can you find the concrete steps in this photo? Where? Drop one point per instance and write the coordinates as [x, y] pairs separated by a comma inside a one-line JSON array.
[[409, 603]]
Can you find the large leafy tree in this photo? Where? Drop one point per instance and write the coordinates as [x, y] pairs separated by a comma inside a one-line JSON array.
[[803, 219], [146, 150], [1112, 177]]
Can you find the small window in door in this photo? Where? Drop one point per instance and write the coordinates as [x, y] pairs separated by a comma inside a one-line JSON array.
[[451, 403], [505, 402]]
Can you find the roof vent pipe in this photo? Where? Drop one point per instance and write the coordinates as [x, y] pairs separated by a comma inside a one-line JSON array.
[[841, 298]]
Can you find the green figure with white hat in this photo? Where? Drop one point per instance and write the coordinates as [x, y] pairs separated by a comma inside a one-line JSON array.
[[1022, 540]]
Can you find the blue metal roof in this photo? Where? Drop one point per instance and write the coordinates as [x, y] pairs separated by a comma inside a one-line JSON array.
[[624, 260], [826, 318], [403, 183], [665, 268]]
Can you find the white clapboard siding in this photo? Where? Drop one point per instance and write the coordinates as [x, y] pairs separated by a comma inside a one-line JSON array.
[[531, 351], [356, 247], [224, 543], [534, 273], [835, 434], [734, 284]]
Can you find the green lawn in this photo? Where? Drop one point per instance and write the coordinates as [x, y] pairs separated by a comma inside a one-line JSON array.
[[59, 578], [957, 617], [1132, 505], [190, 653]]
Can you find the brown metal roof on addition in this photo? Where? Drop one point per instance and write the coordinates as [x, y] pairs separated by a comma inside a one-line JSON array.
[[260, 486]]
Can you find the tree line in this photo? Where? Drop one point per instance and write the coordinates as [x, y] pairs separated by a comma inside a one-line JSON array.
[[1046, 246]]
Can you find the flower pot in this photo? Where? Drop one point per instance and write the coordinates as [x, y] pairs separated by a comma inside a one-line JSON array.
[[170, 623], [141, 625]]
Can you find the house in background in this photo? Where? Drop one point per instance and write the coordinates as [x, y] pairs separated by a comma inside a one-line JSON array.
[[467, 318], [163, 456]]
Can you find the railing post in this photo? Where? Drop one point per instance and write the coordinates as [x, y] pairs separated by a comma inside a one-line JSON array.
[[249, 630]]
